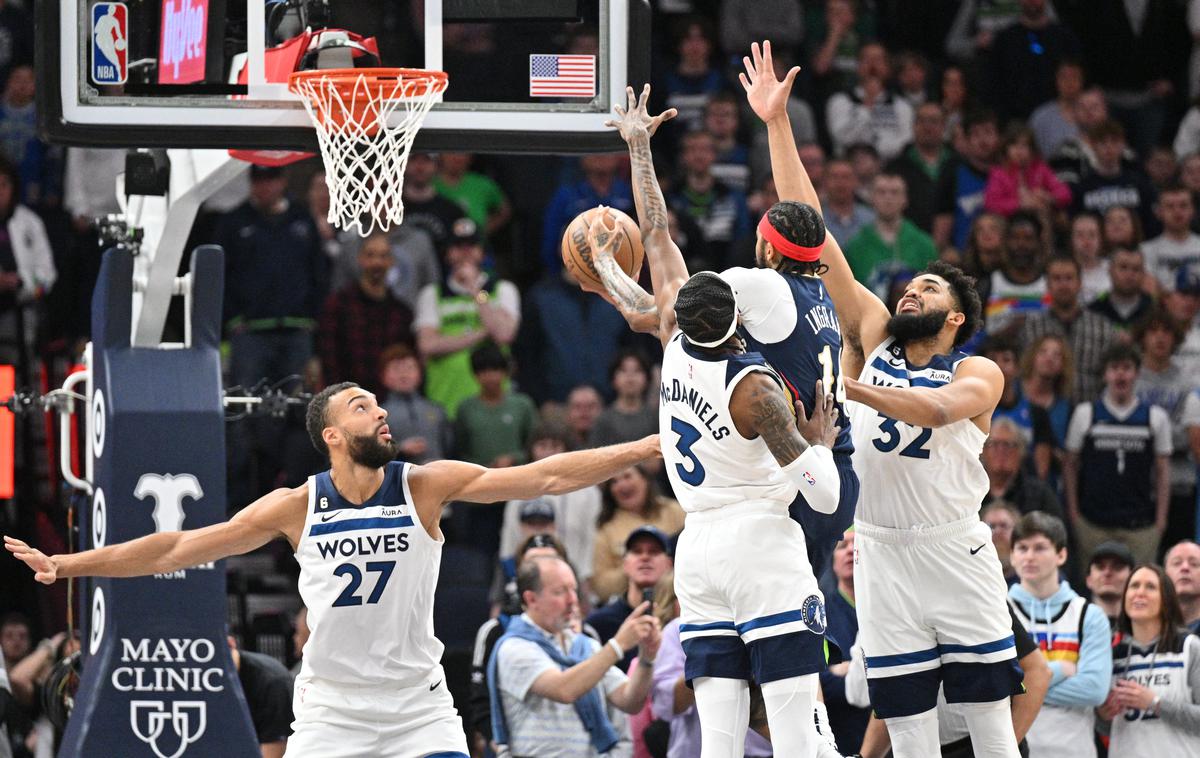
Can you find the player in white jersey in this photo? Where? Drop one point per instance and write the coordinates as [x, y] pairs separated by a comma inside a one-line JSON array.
[[750, 606], [367, 539], [930, 593]]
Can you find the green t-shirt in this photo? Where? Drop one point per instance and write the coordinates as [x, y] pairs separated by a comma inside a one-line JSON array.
[[484, 432], [874, 262], [477, 194]]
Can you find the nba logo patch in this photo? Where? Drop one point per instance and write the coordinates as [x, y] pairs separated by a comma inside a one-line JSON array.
[[110, 43], [812, 613]]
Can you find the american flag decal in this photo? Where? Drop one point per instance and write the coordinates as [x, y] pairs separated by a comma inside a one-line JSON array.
[[562, 75]]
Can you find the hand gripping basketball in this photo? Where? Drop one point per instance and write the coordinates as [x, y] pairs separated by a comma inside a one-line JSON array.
[[634, 121], [44, 568], [602, 234]]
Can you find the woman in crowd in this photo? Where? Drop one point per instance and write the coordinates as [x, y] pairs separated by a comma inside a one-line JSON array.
[[630, 500], [1087, 248], [985, 250], [1122, 228], [1047, 375], [1002, 517], [1154, 704]]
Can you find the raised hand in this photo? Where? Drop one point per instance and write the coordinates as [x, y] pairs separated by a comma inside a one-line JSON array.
[[45, 570], [633, 120], [821, 427], [766, 94]]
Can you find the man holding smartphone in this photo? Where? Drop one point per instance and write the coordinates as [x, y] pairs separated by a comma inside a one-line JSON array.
[[646, 560]]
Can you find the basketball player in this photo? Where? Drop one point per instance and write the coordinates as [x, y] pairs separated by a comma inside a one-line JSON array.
[[371, 682], [750, 606], [929, 590]]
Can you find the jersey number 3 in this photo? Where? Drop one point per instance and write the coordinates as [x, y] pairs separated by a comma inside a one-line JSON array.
[[350, 594], [891, 439], [688, 436]]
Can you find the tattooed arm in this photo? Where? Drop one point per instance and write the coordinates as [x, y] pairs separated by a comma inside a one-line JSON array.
[[668, 272], [800, 445], [626, 295]]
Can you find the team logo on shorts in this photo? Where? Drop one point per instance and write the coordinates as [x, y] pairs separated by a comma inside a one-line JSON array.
[[812, 613]]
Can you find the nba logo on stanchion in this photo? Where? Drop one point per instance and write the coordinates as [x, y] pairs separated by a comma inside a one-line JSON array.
[[110, 43]]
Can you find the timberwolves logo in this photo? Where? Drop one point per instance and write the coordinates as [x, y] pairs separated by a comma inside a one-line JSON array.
[[812, 613]]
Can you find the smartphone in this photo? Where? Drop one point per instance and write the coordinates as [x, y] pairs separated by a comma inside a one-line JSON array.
[[648, 596]]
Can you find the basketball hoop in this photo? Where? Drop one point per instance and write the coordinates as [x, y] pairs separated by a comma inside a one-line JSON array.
[[366, 120]]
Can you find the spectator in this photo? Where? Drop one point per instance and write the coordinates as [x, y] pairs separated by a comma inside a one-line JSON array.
[[507, 606], [1163, 383], [961, 184], [1161, 166], [583, 408], [361, 319], [1113, 182], [1075, 158], [1184, 306], [1031, 420], [1117, 469], [694, 79], [1002, 458], [1024, 58], [480, 198], [267, 686], [493, 428], [912, 78], [1023, 180], [27, 271], [420, 426], [867, 164], [575, 513], [15, 638], [844, 215], [1088, 333], [1158, 706], [732, 166], [1018, 288], [424, 207], [836, 58], [466, 309], [1048, 379], [848, 722], [1177, 245], [316, 197], [1126, 302], [955, 101], [745, 21], [1108, 571], [600, 186], [275, 281], [1072, 634], [890, 243], [629, 417], [922, 162], [1182, 563], [568, 337], [300, 635], [535, 526], [973, 33], [985, 251], [1053, 122], [1087, 248], [868, 112], [38, 164], [1122, 226], [548, 681], [645, 562], [630, 500], [1002, 517], [717, 209]]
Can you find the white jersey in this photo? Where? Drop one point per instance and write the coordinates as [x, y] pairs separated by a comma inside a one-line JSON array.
[[911, 475], [709, 462], [367, 575]]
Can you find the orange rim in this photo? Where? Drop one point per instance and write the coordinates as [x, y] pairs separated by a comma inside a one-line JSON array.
[[379, 83]]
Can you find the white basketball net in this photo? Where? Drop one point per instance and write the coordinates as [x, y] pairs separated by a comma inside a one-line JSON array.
[[366, 131]]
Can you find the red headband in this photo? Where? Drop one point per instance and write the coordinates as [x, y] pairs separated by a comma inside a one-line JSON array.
[[786, 248]]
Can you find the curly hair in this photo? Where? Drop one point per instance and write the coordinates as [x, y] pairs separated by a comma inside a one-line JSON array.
[[704, 307], [316, 416], [966, 298], [801, 224]]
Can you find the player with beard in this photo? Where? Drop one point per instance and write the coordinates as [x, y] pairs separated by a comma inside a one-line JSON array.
[[367, 539], [929, 590]]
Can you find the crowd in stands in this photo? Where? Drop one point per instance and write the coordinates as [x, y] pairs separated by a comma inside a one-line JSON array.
[[1051, 149]]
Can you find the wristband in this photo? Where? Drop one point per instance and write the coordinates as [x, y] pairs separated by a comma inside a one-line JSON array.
[[616, 648]]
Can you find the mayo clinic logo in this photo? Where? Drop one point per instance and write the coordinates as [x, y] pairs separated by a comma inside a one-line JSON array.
[[110, 42], [149, 718]]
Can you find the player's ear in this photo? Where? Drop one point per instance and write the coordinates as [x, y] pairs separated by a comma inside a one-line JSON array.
[[956, 318], [331, 435]]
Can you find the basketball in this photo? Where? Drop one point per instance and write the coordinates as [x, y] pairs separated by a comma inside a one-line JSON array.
[[577, 254]]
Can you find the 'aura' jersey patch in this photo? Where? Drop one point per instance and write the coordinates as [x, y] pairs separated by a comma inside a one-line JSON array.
[[367, 576]]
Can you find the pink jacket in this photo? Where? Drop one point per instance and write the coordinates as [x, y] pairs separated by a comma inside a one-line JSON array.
[[1002, 194]]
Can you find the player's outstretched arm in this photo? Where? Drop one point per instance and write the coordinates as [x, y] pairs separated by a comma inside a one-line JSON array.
[[635, 304], [280, 513], [435, 484], [863, 317], [972, 394], [801, 445], [668, 271]]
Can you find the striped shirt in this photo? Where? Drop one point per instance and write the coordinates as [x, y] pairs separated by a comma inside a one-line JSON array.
[[1089, 334]]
